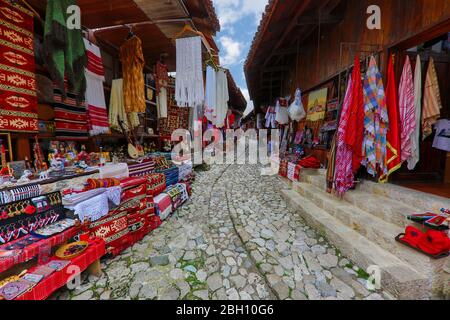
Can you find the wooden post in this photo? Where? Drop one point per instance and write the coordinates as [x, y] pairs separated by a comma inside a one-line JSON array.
[[95, 269]]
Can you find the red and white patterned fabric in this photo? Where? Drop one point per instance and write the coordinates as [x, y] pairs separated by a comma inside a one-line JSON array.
[[293, 171], [343, 172], [163, 205], [95, 95], [407, 110], [18, 99]]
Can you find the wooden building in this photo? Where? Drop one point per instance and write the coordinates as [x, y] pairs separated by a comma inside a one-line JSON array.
[[312, 44]]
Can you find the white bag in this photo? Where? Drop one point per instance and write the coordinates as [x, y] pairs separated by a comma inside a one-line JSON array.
[[296, 109]]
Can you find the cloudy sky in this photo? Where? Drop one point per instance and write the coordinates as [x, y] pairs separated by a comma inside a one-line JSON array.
[[239, 20]]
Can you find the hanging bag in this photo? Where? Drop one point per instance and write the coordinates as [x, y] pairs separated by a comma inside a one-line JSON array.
[[296, 109]]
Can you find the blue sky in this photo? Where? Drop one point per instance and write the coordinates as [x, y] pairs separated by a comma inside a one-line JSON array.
[[239, 20]]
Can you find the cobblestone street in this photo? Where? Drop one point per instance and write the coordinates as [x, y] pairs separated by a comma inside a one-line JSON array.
[[234, 239]]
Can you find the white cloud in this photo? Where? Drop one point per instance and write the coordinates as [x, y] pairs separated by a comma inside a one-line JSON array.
[[232, 51], [231, 11]]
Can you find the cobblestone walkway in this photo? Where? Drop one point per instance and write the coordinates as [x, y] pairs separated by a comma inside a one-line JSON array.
[[234, 239]]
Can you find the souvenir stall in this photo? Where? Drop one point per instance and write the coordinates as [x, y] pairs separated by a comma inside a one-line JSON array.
[[82, 125]]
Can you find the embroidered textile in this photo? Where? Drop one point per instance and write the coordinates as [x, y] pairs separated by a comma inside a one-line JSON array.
[[133, 77], [70, 117], [282, 114], [162, 103], [178, 118], [376, 121], [432, 104], [415, 135], [95, 94], [189, 90], [163, 205], [92, 209], [407, 110], [210, 94], [18, 97], [220, 111]]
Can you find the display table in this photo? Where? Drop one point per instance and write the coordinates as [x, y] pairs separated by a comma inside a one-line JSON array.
[[31, 251], [60, 278]]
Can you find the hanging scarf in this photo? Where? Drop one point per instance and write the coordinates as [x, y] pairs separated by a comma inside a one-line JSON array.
[[18, 99], [393, 136], [415, 135], [344, 177], [331, 164], [133, 77], [355, 132], [407, 110], [95, 94], [210, 94], [432, 104], [65, 54], [117, 108], [223, 97], [375, 120], [189, 90]]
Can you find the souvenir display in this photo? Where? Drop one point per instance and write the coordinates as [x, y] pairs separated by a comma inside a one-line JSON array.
[[71, 250]]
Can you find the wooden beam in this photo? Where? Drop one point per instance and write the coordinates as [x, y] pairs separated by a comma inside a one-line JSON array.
[[275, 69], [328, 19]]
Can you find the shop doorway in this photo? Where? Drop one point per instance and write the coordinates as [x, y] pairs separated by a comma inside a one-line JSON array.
[[432, 173]]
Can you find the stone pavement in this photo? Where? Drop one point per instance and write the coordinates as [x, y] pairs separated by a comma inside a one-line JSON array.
[[234, 240]]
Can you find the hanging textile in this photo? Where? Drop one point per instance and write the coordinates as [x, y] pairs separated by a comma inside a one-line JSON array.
[[222, 99], [415, 135], [65, 54], [282, 114], [189, 90], [177, 118], [407, 110], [432, 104], [331, 164], [133, 75], [393, 151], [18, 99], [376, 121], [344, 178], [442, 138], [354, 134], [70, 116], [95, 95], [270, 118], [162, 77], [117, 108], [161, 102], [210, 93]]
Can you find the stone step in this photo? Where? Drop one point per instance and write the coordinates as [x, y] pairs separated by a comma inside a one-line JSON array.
[[397, 277], [370, 226], [421, 201]]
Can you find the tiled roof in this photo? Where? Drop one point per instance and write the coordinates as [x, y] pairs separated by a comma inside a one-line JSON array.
[[213, 15]]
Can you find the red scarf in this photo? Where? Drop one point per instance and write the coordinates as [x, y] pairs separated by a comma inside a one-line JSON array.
[[355, 129], [393, 136]]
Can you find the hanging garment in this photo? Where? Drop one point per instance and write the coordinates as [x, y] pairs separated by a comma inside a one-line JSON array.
[[354, 134], [296, 110], [432, 104], [210, 94], [393, 151], [133, 75], [65, 54], [376, 121], [95, 95], [270, 118], [442, 137], [162, 77], [70, 116], [331, 164], [415, 135], [344, 178], [282, 114], [222, 99], [117, 108], [189, 90], [162, 103], [18, 99], [407, 110]]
